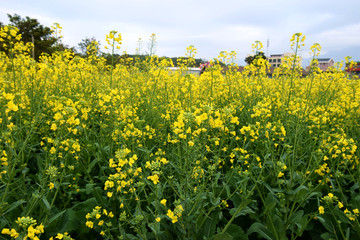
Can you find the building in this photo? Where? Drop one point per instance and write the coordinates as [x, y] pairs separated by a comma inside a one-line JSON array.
[[191, 70], [325, 63], [276, 60], [354, 69]]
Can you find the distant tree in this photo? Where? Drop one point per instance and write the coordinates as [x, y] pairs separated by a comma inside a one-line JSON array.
[[250, 59], [198, 61], [32, 31], [87, 43], [111, 59], [61, 47]]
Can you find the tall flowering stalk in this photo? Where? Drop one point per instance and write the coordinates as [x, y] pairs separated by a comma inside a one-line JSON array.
[[152, 45], [113, 39], [315, 51], [297, 42], [56, 32]]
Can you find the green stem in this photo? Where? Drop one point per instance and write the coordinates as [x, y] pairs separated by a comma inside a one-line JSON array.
[[268, 215]]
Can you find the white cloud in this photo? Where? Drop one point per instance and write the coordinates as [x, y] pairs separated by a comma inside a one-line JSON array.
[[212, 25], [347, 36]]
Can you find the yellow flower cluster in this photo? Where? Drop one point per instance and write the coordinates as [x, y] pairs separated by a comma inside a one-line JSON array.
[[331, 200], [126, 176], [176, 214], [4, 158], [56, 30], [28, 225], [297, 41], [64, 236], [99, 218], [112, 40]]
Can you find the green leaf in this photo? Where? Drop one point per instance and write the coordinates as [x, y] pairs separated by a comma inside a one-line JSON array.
[[92, 164], [298, 219], [279, 226], [15, 205], [328, 236], [223, 236], [85, 206], [146, 150], [210, 224], [270, 202], [284, 156], [326, 221], [46, 202], [260, 229], [89, 188], [236, 199], [244, 211], [301, 190], [227, 189], [70, 222], [273, 190], [354, 187], [56, 216], [341, 215], [234, 232], [215, 201], [347, 233]]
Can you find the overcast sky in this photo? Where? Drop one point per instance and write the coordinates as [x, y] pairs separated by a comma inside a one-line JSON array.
[[211, 26]]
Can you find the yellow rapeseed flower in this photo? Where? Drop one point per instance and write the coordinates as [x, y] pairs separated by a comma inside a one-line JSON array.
[[163, 202], [172, 216], [12, 107], [11, 232], [154, 178], [5, 231], [8, 96], [59, 236], [89, 224]]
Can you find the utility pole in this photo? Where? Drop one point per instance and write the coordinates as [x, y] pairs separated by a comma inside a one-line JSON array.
[[33, 49]]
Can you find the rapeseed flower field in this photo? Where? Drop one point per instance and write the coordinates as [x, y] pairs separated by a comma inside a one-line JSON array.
[[96, 151]]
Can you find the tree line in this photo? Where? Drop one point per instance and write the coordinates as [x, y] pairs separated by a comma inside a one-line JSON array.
[[45, 42]]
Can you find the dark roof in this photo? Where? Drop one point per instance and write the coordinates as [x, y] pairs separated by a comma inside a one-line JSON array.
[[324, 59]]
